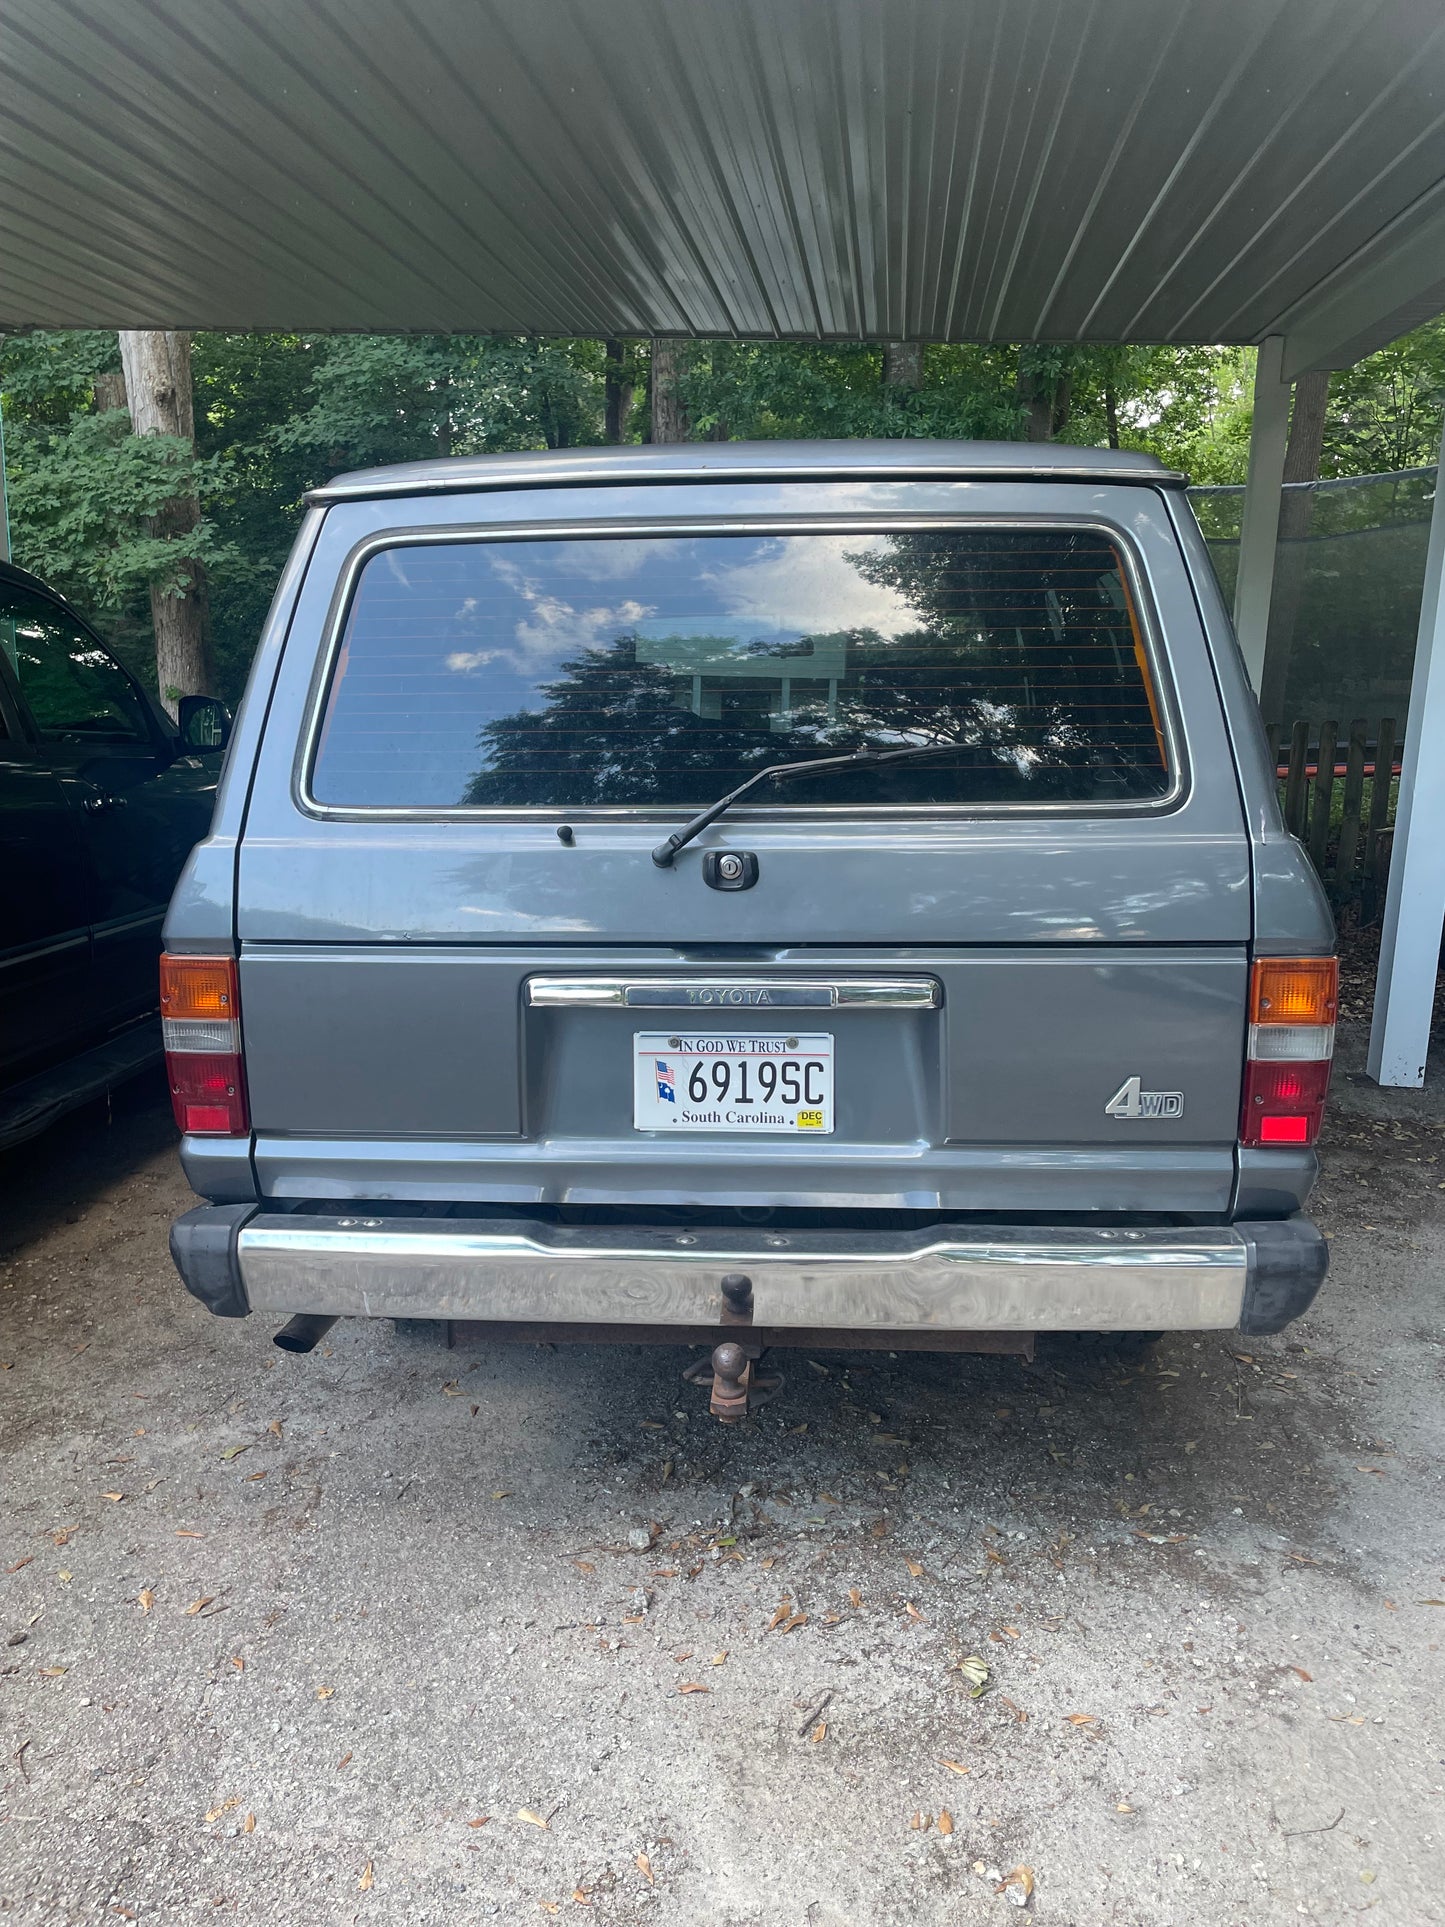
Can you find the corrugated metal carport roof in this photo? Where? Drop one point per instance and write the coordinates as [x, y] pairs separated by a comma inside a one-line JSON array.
[[1139, 170]]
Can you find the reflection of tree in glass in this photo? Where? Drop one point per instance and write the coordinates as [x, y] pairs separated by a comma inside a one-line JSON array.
[[1022, 663]]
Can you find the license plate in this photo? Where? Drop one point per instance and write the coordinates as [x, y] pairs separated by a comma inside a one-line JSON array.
[[706, 1082]]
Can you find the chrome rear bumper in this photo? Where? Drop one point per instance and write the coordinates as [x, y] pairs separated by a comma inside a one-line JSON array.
[[955, 1278]]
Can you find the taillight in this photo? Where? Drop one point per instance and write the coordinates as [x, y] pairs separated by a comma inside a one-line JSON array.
[[201, 1025], [1292, 1007]]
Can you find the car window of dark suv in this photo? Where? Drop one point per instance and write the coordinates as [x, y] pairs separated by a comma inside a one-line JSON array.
[[74, 689]]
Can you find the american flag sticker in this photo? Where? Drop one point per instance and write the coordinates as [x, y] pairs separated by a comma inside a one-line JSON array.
[[666, 1090]]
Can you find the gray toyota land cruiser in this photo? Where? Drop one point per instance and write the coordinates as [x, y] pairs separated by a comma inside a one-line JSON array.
[[744, 895]]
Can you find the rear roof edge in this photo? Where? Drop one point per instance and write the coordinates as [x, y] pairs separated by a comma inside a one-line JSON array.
[[755, 462]]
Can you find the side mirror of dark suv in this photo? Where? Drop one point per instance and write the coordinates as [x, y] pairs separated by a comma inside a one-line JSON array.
[[204, 722]]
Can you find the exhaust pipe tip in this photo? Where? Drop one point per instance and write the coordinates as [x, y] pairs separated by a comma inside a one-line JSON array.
[[304, 1332]]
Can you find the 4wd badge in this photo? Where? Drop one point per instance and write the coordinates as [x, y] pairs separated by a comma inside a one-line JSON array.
[[1130, 1101]]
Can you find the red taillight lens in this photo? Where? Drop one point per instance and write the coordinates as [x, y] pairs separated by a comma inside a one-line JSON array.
[[1291, 1042], [201, 1022], [1284, 1103]]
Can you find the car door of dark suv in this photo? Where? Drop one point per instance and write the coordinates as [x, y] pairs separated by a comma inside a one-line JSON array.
[[45, 901], [142, 800]]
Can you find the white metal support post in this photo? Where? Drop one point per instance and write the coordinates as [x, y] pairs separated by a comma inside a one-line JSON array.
[[1415, 900], [1259, 530]]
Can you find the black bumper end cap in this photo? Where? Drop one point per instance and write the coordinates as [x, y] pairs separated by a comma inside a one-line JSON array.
[[203, 1245], [1288, 1259]]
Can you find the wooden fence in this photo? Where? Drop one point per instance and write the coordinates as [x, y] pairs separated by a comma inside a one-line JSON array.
[[1338, 796]]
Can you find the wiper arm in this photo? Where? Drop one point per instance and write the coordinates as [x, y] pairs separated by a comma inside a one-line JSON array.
[[664, 853]]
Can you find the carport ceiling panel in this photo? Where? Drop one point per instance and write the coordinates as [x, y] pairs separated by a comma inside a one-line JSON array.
[[1127, 169]]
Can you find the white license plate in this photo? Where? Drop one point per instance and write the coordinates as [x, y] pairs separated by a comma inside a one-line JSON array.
[[706, 1082]]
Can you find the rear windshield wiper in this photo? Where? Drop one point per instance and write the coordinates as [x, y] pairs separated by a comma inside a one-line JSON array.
[[664, 853]]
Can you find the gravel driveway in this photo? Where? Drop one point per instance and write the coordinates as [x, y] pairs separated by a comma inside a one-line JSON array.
[[395, 1634]]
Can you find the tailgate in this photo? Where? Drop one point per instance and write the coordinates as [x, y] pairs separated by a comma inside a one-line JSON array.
[[1020, 961]]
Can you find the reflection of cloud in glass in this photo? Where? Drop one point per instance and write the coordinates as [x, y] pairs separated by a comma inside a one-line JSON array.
[[614, 558], [552, 629], [805, 584]]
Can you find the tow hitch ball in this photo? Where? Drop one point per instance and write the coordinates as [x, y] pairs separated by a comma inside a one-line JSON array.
[[737, 1387]]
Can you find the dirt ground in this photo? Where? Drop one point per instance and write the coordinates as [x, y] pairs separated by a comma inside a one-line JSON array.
[[398, 1635]]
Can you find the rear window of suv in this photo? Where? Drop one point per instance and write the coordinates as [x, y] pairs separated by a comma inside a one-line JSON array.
[[664, 670]]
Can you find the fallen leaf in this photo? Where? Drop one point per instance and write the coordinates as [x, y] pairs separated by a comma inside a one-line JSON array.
[[581, 1896], [819, 1733], [248, 1825], [20, 1562], [686, 1653], [1123, 1807], [1308, 1678], [768, 1564], [63, 1575], [821, 1370], [235, 1451], [644, 1867], [1087, 1719], [1018, 1712], [855, 1598], [717, 1659], [1376, 1471], [792, 1625], [145, 1599], [915, 1570], [225, 1807], [182, 1533], [452, 1389], [53, 1672], [196, 1605], [533, 1819], [666, 1470], [954, 1766], [481, 1820], [1021, 1877], [693, 1686], [1423, 1602], [945, 1822], [325, 1692], [365, 1882], [114, 1497], [501, 1495], [584, 1565], [975, 1671], [275, 1428], [784, 1611], [61, 1536], [238, 1662], [913, 1612], [345, 1760]]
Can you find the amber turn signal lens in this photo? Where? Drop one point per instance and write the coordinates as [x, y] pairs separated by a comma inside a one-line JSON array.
[[203, 987], [1294, 990]]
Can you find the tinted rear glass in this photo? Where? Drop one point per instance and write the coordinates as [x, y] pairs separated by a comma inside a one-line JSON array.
[[663, 670]]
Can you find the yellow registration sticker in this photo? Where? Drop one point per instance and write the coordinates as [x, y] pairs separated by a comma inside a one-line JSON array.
[[809, 1120]]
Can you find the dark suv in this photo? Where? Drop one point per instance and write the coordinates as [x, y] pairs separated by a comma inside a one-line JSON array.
[[101, 798]]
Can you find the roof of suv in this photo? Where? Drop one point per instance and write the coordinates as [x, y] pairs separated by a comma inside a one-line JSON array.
[[755, 461]]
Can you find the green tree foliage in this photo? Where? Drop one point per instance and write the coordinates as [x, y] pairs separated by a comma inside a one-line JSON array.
[[278, 413]]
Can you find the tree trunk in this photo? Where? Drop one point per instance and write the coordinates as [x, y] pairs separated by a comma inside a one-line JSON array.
[[1297, 506], [903, 365], [1111, 416], [669, 416], [617, 392], [109, 392], [157, 365]]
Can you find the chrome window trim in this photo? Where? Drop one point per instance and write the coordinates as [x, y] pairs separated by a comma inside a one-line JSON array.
[[304, 764], [800, 993]]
